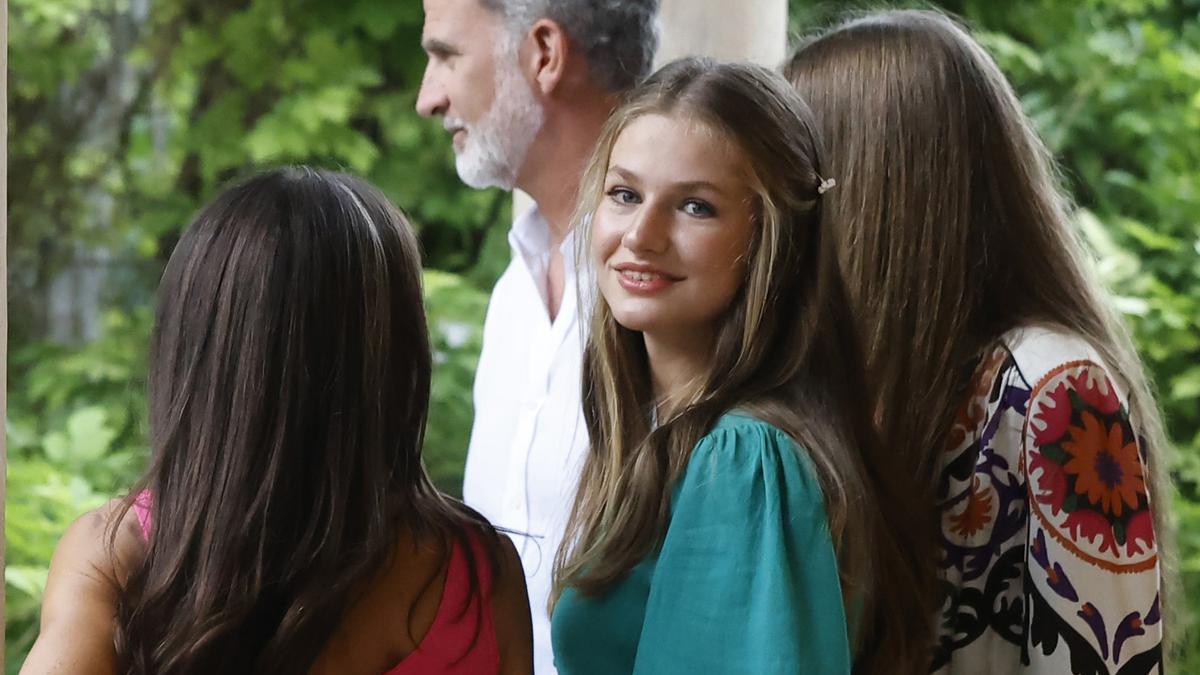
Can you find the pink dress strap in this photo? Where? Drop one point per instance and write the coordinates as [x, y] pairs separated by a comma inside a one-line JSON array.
[[462, 639], [141, 507]]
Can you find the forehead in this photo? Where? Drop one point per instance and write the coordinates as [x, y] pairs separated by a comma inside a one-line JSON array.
[[679, 149], [453, 18]]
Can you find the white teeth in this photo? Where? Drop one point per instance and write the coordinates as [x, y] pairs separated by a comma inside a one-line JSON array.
[[639, 276]]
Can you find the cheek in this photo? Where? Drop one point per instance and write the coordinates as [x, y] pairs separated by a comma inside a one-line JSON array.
[[726, 281], [474, 103], [722, 261], [606, 235], [475, 87], [720, 256]]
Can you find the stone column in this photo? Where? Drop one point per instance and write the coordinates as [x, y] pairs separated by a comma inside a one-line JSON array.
[[750, 30]]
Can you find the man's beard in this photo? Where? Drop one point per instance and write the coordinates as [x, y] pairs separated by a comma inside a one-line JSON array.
[[496, 145]]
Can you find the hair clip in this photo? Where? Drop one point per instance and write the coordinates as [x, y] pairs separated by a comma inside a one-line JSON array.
[[826, 185]]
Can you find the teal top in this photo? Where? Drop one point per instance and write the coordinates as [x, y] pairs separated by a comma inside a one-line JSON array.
[[745, 580]]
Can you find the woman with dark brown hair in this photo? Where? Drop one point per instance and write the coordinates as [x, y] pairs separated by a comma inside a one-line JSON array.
[[1002, 376], [286, 524]]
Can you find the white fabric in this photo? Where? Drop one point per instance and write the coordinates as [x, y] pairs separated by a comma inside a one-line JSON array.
[[528, 440]]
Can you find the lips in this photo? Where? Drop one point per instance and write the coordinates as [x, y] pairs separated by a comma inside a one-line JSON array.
[[644, 279]]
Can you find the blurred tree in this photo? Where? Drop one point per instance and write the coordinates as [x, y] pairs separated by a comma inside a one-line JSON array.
[[136, 113]]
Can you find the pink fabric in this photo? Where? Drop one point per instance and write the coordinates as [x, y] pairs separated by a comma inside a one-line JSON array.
[[462, 639], [447, 648], [141, 507]]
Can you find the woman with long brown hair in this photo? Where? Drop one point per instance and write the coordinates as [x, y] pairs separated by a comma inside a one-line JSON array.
[[1003, 378], [286, 524], [735, 513]]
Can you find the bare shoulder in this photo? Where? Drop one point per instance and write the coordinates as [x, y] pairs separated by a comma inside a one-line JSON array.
[[79, 604], [510, 613], [97, 546]]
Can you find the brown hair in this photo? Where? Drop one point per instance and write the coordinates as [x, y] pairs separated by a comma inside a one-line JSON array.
[[784, 351], [952, 228], [288, 388]]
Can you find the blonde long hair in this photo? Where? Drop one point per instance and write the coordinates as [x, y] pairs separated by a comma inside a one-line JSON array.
[[952, 229], [784, 351]]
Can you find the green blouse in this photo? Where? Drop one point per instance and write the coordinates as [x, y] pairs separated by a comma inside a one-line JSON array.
[[745, 580]]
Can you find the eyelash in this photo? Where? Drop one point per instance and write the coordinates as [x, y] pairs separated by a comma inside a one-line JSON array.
[[707, 211], [616, 193]]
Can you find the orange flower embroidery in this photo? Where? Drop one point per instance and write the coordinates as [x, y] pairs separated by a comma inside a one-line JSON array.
[[975, 515], [1106, 468], [969, 417], [966, 419]]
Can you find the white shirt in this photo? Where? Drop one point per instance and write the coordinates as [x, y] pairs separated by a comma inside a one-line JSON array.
[[528, 440]]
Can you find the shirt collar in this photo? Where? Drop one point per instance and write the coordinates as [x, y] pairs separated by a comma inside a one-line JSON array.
[[530, 238], [530, 233]]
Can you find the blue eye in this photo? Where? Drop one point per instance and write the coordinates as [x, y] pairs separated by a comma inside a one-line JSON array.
[[698, 208], [622, 195]]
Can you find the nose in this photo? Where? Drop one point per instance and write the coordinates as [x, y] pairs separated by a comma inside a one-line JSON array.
[[431, 98], [648, 232]]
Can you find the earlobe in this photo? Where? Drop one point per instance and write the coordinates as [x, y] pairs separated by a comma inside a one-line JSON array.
[[548, 57]]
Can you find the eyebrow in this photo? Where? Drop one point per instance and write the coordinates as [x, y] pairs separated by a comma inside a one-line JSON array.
[[689, 186], [436, 47]]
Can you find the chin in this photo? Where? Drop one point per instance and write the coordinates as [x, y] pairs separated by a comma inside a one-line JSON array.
[[638, 320], [483, 177]]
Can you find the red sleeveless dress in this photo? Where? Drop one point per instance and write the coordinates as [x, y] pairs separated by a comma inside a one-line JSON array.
[[461, 640]]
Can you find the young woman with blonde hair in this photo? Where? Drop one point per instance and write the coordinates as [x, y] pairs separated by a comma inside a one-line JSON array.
[[735, 513], [1002, 377]]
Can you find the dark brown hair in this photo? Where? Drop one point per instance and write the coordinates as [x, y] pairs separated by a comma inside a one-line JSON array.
[[289, 384], [784, 351], [951, 229]]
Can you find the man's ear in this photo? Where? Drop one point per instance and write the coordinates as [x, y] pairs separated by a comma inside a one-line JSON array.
[[546, 60]]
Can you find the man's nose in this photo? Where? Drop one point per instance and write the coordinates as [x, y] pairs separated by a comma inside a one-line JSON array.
[[431, 98]]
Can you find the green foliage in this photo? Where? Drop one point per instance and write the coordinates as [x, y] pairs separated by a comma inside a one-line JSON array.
[[42, 500], [75, 438], [157, 112], [456, 312]]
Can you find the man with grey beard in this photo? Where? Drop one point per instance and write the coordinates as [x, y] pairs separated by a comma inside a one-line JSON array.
[[525, 86]]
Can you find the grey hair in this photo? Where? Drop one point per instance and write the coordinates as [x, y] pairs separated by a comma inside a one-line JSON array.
[[617, 37]]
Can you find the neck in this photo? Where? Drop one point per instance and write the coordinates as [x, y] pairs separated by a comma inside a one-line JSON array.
[[559, 156], [678, 363]]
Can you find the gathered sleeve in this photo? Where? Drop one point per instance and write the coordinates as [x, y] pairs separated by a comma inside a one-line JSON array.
[[746, 580], [1093, 554]]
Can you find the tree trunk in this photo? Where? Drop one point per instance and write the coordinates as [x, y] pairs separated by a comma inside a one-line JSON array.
[[99, 107]]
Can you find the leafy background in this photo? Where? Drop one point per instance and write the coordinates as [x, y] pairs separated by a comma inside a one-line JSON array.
[[126, 115]]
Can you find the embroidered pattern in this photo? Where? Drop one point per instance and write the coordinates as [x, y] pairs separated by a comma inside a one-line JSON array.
[[1049, 560]]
